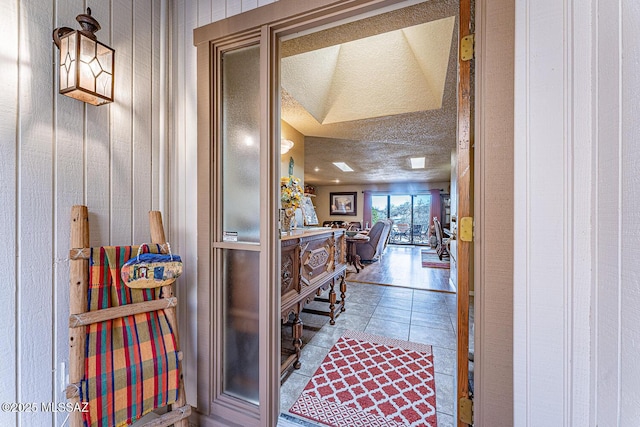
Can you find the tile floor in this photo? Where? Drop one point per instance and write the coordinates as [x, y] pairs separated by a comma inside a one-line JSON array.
[[415, 315]]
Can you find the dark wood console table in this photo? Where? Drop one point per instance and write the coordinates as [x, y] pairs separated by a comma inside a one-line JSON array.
[[312, 260]]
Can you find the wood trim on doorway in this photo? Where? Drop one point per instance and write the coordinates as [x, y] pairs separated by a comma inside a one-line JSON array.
[[464, 256]]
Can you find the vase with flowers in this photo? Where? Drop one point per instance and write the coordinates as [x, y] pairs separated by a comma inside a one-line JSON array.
[[291, 194]]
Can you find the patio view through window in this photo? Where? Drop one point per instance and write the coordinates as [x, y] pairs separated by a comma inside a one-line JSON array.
[[410, 215]]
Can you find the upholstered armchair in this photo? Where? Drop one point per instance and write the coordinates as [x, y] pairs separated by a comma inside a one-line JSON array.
[[372, 250]]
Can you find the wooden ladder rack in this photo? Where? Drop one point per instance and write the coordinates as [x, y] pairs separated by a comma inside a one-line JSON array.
[[79, 318]]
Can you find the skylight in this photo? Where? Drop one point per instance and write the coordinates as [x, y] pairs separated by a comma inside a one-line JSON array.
[[417, 162], [343, 166]]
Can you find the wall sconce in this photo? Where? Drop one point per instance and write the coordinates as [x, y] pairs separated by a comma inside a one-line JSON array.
[[285, 145], [86, 65]]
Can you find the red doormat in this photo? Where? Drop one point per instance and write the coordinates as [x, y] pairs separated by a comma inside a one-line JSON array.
[[371, 381], [430, 259]]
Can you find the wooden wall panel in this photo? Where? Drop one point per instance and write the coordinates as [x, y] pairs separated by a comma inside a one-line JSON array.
[[57, 152], [69, 189], [188, 204], [98, 139], [204, 11], [540, 189], [122, 124], [630, 212], [234, 7], [35, 201], [618, 295], [186, 15], [576, 317], [142, 148], [580, 204], [249, 4], [218, 12], [9, 137], [608, 147], [158, 104]]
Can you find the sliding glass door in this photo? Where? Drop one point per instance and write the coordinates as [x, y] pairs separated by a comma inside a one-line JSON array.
[[410, 215], [421, 210], [400, 212]]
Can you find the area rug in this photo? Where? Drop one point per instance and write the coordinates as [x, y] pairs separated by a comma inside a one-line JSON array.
[[371, 381], [430, 259]]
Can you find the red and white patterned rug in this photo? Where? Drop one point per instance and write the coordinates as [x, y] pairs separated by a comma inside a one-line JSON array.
[[368, 380]]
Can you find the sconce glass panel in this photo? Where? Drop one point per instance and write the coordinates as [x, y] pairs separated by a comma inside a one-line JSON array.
[[67, 61], [104, 77], [86, 69]]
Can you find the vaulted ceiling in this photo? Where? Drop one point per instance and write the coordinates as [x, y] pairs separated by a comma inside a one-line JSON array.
[[374, 93]]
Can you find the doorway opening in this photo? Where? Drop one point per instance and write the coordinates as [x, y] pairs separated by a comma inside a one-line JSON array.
[[312, 116], [269, 32]]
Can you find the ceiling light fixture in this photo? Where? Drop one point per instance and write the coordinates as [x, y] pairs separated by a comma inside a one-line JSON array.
[[417, 162], [343, 166], [285, 145]]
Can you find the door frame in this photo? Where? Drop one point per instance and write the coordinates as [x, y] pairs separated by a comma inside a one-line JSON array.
[[272, 21]]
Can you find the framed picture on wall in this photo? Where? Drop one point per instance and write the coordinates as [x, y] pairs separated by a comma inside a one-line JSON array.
[[343, 203]]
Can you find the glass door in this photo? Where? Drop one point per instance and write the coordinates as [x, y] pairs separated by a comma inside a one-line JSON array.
[[421, 213], [240, 197], [410, 215], [400, 212], [237, 301]]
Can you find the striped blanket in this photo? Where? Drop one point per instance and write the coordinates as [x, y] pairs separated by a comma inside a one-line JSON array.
[[131, 363]]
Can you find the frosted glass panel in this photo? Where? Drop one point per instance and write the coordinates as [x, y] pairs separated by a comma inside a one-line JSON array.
[[241, 341], [241, 143]]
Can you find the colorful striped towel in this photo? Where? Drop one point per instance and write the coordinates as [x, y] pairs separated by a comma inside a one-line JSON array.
[[131, 363]]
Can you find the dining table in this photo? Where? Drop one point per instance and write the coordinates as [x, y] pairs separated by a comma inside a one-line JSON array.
[[352, 254]]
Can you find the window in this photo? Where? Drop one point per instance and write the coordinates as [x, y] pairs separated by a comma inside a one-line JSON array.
[[411, 215]]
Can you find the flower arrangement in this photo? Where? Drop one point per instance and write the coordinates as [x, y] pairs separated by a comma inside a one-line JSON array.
[[291, 193]]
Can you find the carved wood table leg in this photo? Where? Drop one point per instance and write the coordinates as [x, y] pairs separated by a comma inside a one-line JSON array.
[[358, 263], [332, 304], [297, 338], [343, 289]]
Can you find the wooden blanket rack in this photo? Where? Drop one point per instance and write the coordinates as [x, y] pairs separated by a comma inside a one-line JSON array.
[[79, 317]]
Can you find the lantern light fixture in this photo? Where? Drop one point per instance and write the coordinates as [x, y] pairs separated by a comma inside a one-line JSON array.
[[86, 65]]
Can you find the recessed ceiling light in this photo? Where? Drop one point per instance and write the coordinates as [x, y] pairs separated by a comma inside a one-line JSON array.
[[316, 169], [417, 163], [343, 166]]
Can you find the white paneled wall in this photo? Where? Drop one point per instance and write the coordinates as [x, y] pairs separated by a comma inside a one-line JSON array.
[[57, 152], [616, 298], [577, 157]]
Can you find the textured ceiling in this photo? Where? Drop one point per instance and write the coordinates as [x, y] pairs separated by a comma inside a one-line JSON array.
[[375, 92]]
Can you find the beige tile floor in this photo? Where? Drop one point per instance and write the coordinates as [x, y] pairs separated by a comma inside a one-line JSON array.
[[410, 314]]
